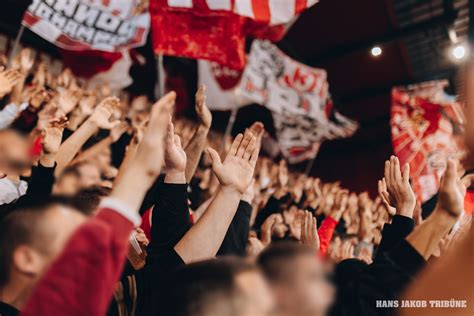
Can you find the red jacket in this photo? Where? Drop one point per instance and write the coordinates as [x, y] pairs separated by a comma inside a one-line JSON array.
[[325, 232], [82, 279]]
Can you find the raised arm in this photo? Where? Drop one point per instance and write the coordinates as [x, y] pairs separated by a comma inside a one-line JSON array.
[[235, 174], [97, 249], [115, 134], [426, 237], [99, 119], [195, 146]]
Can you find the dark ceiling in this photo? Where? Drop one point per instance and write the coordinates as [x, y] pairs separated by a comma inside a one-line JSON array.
[[337, 35]]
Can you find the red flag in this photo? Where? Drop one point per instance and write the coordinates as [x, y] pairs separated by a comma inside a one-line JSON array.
[[216, 29]]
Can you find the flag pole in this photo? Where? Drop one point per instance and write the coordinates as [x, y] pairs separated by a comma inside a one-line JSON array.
[[161, 76], [309, 166], [15, 45]]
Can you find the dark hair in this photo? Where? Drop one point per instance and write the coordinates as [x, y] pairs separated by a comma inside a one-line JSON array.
[[194, 288], [87, 200], [23, 226], [275, 259]]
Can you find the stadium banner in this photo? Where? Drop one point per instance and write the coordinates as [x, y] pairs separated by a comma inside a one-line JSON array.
[[216, 30], [221, 83], [426, 127], [273, 79], [300, 136], [79, 25], [298, 97]]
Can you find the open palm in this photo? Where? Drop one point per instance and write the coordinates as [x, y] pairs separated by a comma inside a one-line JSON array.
[[238, 167], [175, 157]]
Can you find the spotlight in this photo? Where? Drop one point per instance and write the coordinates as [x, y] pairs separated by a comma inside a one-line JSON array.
[[459, 51], [376, 51]]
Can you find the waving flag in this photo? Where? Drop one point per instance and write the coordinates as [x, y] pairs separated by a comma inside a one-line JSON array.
[[425, 124], [105, 25], [303, 112], [216, 29]]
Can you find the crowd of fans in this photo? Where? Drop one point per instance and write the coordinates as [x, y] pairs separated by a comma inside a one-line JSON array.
[[112, 207]]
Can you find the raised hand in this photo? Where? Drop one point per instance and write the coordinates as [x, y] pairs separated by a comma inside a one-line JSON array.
[[400, 194], [51, 138], [258, 129], [104, 111], [267, 227], [8, 79], [117, 131], [175, 157], [87, 103], [26, 60], [309, 231], [452, 190], [385, 196], [204, 115], [68, 100], [282, 174], [150, 152], [238, 167], [340, 204]]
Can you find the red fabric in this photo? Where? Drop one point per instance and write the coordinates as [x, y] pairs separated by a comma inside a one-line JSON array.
[[146, 223], [469, 202], [81, 281], [37, 148], [217, 37], [325, 232], [88, 63]]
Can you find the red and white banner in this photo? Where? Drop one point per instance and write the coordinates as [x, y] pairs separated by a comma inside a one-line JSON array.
[[297, 95], [272, 12], [300, 136], [106, 25], [220, 82], [215, 30], [426, 130], [273, 79]]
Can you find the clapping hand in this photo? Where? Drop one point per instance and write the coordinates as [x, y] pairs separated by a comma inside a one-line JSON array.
[[102, 113], [204, 115], [8, 79], [175, 157], [309, 231], [52, 135], [68, 100], [395, 189], [150, 153], [452, 190], [236, 171]]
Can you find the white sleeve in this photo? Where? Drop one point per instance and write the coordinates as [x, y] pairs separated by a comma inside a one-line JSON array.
[[10, 113]]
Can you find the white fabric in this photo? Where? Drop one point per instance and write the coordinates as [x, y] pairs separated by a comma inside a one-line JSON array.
[[119, 207], [11, 190], [217, 98], [10, 113]]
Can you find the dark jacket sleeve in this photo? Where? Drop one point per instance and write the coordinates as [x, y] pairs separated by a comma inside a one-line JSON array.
[[381, 281], [152, 194], [393, 233], [170, 219], [235, 240], [40, 184]]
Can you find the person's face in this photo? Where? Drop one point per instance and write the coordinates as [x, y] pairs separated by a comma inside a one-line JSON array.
[[14, 151], [55, 229], [257, 297], [307, 291], [67, 184], [89, 176]]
